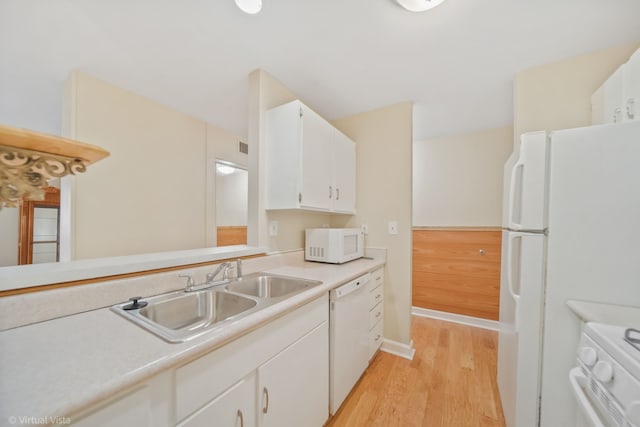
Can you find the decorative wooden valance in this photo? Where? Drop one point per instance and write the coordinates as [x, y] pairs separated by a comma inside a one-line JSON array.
[[29, 159]]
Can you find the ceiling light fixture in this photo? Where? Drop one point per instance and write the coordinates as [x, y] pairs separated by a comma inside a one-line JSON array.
[[225, 169], [418, 5], [250, 6]]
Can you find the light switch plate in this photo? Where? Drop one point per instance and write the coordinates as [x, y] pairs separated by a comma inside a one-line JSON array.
[[273, 228], [393, 227]]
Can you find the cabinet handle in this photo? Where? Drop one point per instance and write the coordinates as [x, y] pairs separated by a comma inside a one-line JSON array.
[[378, 296], [337, 194], [378, 337], [330, 192], [631, 110], [378, 314], [265, 394], [241, 418], [617, 115]]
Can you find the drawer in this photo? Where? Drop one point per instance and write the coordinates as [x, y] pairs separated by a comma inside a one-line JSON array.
[[376, 296], [376, 315], [377, 278], [375, 338]]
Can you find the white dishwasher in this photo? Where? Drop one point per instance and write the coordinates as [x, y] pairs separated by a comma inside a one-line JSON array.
[[348, 338]]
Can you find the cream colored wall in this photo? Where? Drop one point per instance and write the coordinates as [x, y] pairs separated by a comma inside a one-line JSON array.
[[558, 95], [457, 180], [383, 151], [150, 194], [266, 92], [223, 145]]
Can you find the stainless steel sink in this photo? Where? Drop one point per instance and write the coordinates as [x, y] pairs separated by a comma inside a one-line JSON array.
[[179, 316], [263, 285], [196, 310]]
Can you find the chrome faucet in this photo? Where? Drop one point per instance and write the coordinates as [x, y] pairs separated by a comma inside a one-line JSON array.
[[190, 282], [224, 267]]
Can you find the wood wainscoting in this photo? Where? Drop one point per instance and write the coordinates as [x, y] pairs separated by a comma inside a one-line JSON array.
[[457, 270], [232, 235]]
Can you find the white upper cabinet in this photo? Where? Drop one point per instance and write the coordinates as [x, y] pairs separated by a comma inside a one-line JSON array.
[[344, 182], [310, 165], [631, 87], [614, 97], [618, 99]]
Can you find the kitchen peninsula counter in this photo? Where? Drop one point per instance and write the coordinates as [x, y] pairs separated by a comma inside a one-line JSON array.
[[61, 367]]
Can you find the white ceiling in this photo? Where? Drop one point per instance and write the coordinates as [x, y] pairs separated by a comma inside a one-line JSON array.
[[456, 62]]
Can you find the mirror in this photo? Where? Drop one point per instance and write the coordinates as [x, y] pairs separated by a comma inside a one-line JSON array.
[[156, 192]]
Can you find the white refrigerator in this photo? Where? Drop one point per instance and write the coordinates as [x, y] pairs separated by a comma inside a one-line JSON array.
[[571, 231]]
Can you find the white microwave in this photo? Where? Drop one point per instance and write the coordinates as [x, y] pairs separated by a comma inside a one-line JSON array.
[[333, 245]]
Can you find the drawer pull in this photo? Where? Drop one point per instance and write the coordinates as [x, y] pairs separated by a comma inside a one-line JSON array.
[[378, 314], [265, 394], [241, 418], [378, 337], [378, 296]]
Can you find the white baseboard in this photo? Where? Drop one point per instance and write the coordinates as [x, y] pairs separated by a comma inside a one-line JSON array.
[[394, 347], [456, 318]]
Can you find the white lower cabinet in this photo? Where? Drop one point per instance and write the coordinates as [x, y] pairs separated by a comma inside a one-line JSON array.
[[376, 311], [234, 408], [294, 385], [274, 376]]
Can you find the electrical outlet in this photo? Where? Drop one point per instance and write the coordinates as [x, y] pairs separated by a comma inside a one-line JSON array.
[[393, 227], [364, 228], [273, 228]]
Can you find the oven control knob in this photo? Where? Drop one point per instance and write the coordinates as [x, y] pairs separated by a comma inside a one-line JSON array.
[[603, 371], [588, 356], [633, 413]]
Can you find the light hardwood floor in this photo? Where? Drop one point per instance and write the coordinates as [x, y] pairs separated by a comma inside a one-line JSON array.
[[450, 382]]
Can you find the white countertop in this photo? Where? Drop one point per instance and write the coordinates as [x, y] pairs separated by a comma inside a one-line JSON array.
[[621, 315], [63, 366]]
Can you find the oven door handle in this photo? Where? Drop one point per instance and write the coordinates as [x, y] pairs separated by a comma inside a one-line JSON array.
[[578, 381]]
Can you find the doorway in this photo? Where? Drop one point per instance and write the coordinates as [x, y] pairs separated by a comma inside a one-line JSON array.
[[232, 191], [39, 229]]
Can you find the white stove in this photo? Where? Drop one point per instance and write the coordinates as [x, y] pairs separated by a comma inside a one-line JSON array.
[[606, 380]]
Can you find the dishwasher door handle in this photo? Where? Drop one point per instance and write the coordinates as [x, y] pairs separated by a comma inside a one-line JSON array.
[[350, 287]]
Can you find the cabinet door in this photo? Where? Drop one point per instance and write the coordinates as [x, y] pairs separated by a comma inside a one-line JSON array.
[[613, 97], [316, 189], [631, 87], [233, 408], [293, 386], [345, 174]]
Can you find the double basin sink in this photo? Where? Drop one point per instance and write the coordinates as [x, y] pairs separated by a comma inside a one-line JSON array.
[[179, 316]]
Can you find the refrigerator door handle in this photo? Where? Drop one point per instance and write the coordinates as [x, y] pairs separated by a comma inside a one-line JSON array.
[[510, 260], [510, 277], [516, 172]]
